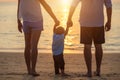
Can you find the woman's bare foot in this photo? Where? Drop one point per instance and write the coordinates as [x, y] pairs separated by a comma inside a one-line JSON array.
[[97, 73], [64, 74]]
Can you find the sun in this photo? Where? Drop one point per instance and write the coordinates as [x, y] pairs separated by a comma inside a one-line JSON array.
[[65, 2]]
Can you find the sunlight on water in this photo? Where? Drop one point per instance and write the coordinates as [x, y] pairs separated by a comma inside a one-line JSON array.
[[64, 16], [12, 40]]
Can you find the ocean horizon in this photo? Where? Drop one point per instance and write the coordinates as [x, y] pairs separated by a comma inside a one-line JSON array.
[[13, 41]]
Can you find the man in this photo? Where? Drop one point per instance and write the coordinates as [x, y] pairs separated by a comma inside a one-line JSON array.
[[92, 28]]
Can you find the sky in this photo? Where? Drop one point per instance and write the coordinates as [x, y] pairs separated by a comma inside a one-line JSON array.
[[46, 0], [6, 0]]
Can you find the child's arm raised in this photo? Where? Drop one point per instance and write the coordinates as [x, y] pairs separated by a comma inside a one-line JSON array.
[[66, 32], [54, 28], [49, 10]]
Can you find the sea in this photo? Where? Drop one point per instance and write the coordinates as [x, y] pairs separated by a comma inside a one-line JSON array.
[[13, 41]]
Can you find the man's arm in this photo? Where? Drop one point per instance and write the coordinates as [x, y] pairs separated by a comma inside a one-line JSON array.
[[109, 15], [49, 10], [72, 9], [108, 5]]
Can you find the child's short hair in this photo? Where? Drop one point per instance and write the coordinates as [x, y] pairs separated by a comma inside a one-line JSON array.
[[59, 30]]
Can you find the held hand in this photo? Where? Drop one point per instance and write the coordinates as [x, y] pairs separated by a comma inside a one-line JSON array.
[[57, 22], [69, 23], [107, 26], [19, 26], [55, 25]]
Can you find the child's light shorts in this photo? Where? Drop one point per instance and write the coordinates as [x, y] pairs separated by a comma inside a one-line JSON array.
[[29, 26]]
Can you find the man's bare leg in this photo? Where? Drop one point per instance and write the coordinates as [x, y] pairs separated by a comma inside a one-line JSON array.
[[98, 55], [88, 58]]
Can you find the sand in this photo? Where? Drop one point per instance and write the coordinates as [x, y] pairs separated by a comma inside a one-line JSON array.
[[12, 67]]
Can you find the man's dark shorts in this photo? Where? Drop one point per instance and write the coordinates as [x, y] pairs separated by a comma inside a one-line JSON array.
[[92, 34]]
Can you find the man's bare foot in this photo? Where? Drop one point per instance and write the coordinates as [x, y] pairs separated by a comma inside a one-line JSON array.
[[87, 75], [57, 74], [35, 74]]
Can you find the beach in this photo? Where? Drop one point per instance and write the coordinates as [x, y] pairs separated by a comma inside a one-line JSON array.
[[12, 67], [12, 63]]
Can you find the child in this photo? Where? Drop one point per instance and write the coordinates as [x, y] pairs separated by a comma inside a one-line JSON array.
[[30, 13], [58, 48]]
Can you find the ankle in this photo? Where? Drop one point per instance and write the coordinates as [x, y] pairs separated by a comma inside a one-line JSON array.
[[98, 70], [89, 73], [62, 71]]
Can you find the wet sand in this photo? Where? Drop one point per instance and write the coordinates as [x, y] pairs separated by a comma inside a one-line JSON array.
[[12, 67]]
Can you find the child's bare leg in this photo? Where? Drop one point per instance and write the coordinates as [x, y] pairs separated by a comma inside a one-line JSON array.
[[62, 63], [56, 65]]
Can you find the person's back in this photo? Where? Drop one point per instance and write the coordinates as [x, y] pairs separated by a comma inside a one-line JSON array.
[[58, 49], [92, 29], [92, 13], [30, 10], [58, 41]]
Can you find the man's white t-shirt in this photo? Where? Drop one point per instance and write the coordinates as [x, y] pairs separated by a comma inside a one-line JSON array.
[[92, 12], [30, 10]]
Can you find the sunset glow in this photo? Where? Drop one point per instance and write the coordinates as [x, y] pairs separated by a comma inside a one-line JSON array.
[[7, 0], [10, 35], [66, 2]]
